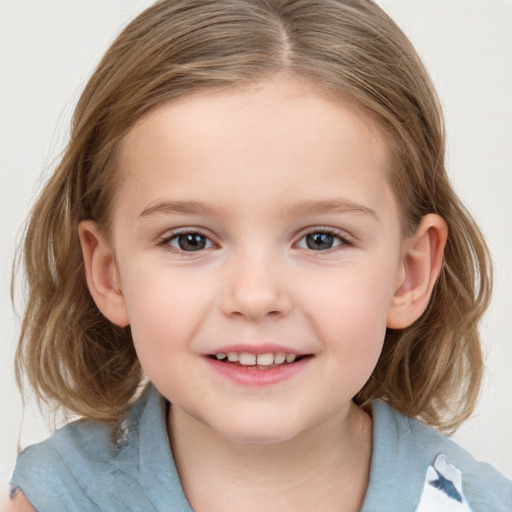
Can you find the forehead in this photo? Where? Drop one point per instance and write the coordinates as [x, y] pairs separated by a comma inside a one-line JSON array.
[[282, 133]]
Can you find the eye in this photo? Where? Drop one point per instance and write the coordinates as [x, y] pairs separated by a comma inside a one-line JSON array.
[[188, 242], [321, 241]]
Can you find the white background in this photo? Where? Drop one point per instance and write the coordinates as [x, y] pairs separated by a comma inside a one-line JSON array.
[[48, 49]]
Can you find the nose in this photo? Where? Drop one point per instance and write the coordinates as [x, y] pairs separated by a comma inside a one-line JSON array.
[[256, 289]]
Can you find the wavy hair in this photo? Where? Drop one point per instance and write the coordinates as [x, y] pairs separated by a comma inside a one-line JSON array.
[[75, 358]]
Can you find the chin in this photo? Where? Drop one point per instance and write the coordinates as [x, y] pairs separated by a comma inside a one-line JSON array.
[[258, 434]]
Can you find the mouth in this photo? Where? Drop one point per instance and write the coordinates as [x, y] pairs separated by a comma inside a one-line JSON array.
[[267, 361]]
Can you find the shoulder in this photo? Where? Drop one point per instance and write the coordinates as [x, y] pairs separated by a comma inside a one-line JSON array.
[[39, 472], [432, 463], [78, 466], [18, 503]]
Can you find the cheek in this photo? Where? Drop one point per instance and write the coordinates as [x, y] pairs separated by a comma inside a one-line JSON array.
[[164, 309], [352, 326], [350, 312]]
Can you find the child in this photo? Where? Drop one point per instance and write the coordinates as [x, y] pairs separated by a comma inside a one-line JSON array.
[[252, 221]]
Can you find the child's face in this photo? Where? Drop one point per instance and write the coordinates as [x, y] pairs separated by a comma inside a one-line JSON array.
[[256, 220]]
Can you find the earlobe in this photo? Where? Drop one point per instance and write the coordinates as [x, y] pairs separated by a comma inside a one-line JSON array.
[[102, 274], [421, 264]]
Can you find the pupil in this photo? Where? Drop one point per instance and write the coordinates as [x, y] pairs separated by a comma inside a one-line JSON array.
[[319, 241], [191, 242]]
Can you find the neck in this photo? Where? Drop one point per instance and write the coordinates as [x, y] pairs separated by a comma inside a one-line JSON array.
[[324, 468]]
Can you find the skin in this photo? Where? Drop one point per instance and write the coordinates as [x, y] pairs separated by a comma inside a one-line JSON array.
[[18, 503], [270, 163]]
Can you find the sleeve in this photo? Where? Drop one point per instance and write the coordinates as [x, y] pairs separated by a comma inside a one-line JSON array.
[[47, 482]]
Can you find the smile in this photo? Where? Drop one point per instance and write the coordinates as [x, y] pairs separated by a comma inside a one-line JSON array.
[[262, 364], [265, 361]]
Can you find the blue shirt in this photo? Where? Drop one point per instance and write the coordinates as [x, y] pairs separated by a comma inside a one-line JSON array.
[[86, 466]]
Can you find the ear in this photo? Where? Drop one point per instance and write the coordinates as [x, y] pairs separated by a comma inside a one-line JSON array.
[[101, 273], [420, 267]]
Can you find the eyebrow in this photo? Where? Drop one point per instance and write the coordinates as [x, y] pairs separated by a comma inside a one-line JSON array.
[[180, 208], [301, 207], [330, 206]]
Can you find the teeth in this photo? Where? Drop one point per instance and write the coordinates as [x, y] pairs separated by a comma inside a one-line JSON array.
[[290, 358], [279, 358], [247, 359], [265, 359], [262, 361]]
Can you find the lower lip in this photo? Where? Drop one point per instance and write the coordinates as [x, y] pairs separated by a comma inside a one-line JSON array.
[[250, 376]]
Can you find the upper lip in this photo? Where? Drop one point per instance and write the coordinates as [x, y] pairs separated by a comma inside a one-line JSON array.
[[258, 348]]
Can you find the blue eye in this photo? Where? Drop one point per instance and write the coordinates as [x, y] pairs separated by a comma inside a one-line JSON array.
[[189, 242], [321, 241]]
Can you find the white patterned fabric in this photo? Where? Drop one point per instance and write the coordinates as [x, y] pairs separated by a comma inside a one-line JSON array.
[[442, 489]]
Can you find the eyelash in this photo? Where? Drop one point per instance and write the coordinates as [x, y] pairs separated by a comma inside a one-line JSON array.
[[344, 241], [165, 243]]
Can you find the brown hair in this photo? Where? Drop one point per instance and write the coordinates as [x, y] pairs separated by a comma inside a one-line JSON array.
[[75, 358]]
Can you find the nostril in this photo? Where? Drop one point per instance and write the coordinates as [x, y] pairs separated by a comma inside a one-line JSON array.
[[254, 299]]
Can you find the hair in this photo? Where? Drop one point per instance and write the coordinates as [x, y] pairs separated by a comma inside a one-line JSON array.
[[73, 357]]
